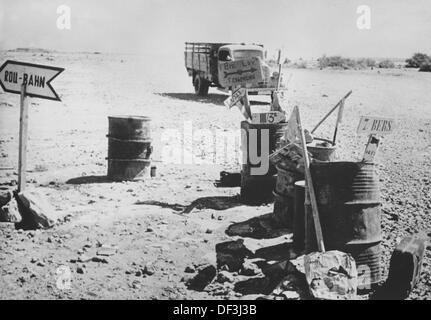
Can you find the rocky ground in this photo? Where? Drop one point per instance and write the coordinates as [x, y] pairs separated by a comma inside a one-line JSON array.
[[148, 239]]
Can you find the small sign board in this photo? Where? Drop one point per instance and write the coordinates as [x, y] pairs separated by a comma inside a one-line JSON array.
[[240, 72], [371, 149], [36, 77], [291, 132], [268, 117], [236, 97], [375, 125]]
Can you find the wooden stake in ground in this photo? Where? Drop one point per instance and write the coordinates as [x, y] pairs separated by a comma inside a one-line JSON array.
[[247, 105], [23, 125], [309, 186], [339, 118]]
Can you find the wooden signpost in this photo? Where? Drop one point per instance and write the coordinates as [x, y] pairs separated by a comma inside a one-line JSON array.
[[309, 188], [374, 127], [237, 95], [28, 80]]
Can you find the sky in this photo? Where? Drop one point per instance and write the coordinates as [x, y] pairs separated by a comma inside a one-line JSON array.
[[301, 28]]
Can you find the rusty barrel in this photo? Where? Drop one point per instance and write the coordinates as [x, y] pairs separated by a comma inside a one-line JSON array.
[[259, 140], [348, 198], [299, 216], [288, 174], [129, 147]]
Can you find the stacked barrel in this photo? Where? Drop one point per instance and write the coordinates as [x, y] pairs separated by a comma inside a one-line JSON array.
[[288, 173], [129, 147], [257, 188]]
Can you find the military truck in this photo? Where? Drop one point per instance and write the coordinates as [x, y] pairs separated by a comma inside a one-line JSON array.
[[202, 60]]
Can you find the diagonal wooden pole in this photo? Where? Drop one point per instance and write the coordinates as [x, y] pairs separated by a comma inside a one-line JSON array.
[[23, 126], [309, 186], [330, 111]]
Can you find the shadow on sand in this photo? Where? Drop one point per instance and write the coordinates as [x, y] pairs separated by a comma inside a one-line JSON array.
[[261, 227], [215, 203], [214, 98], [89, 180]]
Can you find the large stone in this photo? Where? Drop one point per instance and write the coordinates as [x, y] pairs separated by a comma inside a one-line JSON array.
[[9, 209], [205, 274], [35, 211], [232, 254]]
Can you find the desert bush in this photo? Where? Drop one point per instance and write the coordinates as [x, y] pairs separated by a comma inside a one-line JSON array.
[[300, 64], [426, 65], [365, 63], [337, 62], [417, 60], [386, 64]]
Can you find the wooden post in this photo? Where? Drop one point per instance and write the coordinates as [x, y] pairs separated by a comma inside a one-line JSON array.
[[330, 111], [309, 186], [23, 126], [247, 104], [339, 117]]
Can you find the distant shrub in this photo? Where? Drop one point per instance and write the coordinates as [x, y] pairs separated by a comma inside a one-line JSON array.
[[386, 64], [286, 61], [300, 64], [365, 63], [426, 65], [344, 63], [417, 60]]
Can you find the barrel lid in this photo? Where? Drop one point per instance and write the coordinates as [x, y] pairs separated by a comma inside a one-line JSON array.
[[130, 117]]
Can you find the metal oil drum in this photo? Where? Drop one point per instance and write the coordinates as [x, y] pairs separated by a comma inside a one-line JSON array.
[[257, 189], [348, 198], [129, 147], [287, 175]]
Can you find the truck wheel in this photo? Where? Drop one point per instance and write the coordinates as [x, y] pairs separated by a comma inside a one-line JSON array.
[[201, 86]]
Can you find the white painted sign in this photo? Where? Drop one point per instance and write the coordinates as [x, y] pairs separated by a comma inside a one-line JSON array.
[[268, 117], [240, 72], [291, 132], [236, 97], [375, 125], [36, 77]]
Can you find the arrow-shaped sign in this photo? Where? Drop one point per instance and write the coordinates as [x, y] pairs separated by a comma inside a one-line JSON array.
[[36, 77], [239, 72]]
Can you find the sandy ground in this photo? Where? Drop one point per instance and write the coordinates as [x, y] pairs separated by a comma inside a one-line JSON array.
[[146, 220]]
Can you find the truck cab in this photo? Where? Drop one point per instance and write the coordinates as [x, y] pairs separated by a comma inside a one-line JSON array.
[[202, 62], [241, 51]]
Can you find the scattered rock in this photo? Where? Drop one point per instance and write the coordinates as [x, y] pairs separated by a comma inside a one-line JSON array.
[[98, 259], [249, 269], [232, 254], [290, 295], [204, 276], [80, 270], [35, 211], [84, 258], [224, 276], [149, 269], [138, 273], [190, 269], [106, 251], [254, 286], [9, 209]]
